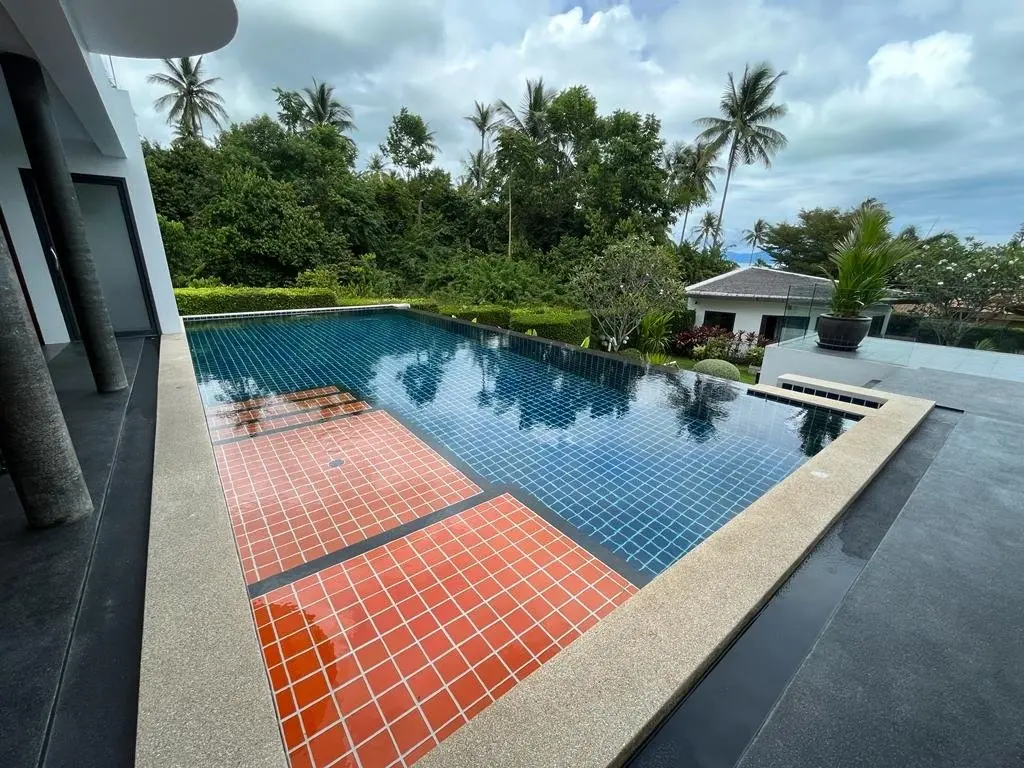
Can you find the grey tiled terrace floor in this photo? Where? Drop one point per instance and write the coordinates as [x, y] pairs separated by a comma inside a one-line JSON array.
[[997, 365], [922, 663]]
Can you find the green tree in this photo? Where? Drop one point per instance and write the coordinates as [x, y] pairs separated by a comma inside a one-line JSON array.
[[485, 120], [706, 230], [255, 232], [691, 171], [183, 177], [478, 167], [960, 284], [291, 109], [531, 118], [806, 246], [321, 108], [630, 279], [697, 264], [191, 98], [410, 144], [755, 237], [743, 127]]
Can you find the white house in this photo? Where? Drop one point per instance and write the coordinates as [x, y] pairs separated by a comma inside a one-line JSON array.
[[776, 304]]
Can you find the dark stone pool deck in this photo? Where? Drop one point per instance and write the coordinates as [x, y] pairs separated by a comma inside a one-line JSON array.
[[922, 663]]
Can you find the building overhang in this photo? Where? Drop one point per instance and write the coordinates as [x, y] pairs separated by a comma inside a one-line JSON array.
[[154, 29]]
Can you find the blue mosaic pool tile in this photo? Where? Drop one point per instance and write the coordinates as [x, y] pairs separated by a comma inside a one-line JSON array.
[[647, 462]]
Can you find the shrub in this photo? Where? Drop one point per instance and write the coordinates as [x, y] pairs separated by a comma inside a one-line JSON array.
[[568, 325], [755, 356], [718, 343], [682, 320], [653, 334], [485, 314], [210, 301], [720, 368], [321, 277]]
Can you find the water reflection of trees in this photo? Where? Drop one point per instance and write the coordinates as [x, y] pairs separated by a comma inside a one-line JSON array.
[[699, 404], [422, 377], [818, 428], [551, 396]]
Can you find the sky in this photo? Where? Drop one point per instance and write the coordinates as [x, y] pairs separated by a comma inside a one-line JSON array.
[[919, 103]]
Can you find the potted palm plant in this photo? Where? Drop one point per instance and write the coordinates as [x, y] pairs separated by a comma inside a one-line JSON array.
[[863, 262]]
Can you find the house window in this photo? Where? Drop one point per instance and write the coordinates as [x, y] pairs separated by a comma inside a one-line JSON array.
[[720, 319]]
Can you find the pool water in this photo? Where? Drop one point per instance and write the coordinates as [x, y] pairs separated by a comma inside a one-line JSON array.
[[649, 463]]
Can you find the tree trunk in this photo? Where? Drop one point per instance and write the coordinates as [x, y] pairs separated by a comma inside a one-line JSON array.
[[34, 438], [64, 217], [682, 235], [725, 191]]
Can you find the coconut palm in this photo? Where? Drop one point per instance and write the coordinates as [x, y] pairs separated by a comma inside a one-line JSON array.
[[531, 119], [321, 108], [478, 166], [191, 98], [484, 119], [706, 229], [755, 237], [744, 126], [691, 169]]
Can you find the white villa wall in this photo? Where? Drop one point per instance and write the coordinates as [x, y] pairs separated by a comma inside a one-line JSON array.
[[83, 157], [750, 311]]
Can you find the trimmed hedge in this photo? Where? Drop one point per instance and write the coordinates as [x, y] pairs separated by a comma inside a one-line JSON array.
[[720, 368], [568, 325], [212, 301], [427, 305], [485, 314]]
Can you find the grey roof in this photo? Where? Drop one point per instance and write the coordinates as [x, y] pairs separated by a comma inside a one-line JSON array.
[[762, 283]]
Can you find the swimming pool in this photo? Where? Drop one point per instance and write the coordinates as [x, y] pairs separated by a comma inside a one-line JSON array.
[[646, 462]]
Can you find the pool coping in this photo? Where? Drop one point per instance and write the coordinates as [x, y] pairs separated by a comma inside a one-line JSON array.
[[204, 696], [613, 685], [610, 688]]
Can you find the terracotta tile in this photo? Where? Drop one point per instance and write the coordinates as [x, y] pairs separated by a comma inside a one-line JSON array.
[[364, 723], [380, 750], [407, 685], [352, 696], [378, 455], [330, 745], [409, 731]]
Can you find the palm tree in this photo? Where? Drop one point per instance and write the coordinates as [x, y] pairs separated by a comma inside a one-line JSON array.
[[323, 109], [532, 116], [707, 229], [691, 169], [484, 120], [191, 98], [478, 167], [375, 164], [743, 126], [755, 237]]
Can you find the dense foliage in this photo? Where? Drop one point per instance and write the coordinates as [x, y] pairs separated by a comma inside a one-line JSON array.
[[723, 369], [957, 285], [278, 201]]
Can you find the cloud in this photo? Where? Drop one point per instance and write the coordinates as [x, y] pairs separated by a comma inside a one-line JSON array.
[[914, 102]]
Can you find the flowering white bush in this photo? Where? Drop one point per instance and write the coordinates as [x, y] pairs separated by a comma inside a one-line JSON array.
[[958, 284], [628, 280]]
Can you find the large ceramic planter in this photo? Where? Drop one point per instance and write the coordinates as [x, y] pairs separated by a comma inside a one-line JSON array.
[[842, 333]]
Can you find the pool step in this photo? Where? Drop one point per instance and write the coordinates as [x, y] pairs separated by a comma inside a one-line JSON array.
[[284, 421], [279, 408], [256, 402]]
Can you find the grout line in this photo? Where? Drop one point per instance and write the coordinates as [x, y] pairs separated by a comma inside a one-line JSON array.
[[289, 427]]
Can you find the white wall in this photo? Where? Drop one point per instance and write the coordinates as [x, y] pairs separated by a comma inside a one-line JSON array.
[[83, 157], [749, 312]]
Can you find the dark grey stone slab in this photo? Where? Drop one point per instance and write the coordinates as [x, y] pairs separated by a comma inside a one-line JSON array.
[[921, 665], [980, 395], [43, 572]]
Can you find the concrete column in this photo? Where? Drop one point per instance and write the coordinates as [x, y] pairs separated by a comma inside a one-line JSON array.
[[64, 218], [34, 439]]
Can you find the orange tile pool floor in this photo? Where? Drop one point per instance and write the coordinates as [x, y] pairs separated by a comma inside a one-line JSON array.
[[421, 623]]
